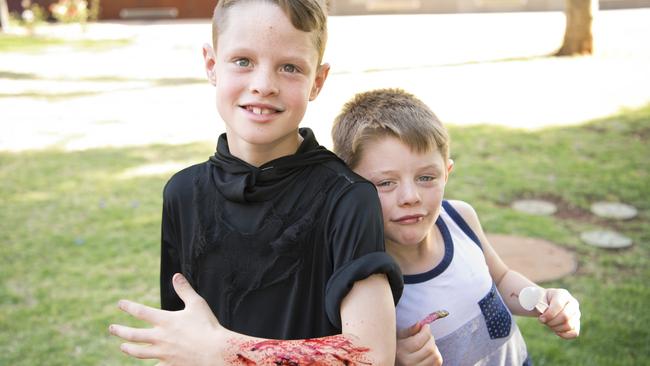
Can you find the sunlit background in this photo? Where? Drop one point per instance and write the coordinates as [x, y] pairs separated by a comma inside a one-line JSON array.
[[101, 101], [472, 62]]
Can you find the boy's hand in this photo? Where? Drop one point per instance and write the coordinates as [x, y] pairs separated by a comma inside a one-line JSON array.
[[416, 346], [563, 313], [176, 335]]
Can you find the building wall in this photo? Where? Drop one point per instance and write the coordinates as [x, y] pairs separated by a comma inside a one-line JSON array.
[[142, 9], [154, 9], [116, 9], [360, 7]]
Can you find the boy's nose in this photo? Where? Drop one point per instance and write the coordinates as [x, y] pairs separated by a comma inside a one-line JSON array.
[[409, 195], [263, 83]]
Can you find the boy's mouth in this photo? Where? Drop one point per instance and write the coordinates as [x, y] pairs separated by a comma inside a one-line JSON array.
[[261, 109], [409, 219]]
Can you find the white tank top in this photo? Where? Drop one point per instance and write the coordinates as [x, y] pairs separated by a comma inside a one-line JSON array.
[[479, 329], [456, 284]]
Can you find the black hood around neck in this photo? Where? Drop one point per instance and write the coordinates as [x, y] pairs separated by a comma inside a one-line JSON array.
[[240, 181]]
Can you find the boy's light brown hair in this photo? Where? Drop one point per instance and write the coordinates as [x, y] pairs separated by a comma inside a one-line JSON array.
[[387, 112], [305, 15]]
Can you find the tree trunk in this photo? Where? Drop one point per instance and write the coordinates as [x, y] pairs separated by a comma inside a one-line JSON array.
[[578, 38], [4, 15]]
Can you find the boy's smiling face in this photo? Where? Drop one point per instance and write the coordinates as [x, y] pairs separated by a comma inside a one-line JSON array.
[[411, 186], [265, 72]]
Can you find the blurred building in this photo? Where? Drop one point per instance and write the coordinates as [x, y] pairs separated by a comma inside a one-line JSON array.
[[357, 7], [138, 9], [170, 9]]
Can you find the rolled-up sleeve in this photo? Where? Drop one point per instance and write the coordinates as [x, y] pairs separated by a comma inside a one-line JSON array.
[[356, 242]]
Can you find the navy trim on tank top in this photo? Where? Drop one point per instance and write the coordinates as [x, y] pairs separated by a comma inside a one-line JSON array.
[[462, 224], [444, 263]]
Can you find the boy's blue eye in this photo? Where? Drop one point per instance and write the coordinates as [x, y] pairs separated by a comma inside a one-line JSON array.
[[242, 62], [289, 68], [427, 178], [383, 184]]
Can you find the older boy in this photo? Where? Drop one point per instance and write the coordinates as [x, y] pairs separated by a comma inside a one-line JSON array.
[[278, 236]]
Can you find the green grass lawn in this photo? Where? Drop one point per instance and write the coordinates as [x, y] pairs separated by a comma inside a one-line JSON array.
[[78, 232]]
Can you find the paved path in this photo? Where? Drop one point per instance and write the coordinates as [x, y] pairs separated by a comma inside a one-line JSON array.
[[152, 90]]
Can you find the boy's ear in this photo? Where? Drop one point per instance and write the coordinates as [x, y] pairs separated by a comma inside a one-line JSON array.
[[210, 61], [321, 75], [450, 166]]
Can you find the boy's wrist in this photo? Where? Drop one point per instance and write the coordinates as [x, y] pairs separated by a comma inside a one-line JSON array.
[[225, 346]]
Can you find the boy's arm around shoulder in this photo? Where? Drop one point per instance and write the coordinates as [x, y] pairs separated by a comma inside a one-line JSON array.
[[193, 336], [563, 313]]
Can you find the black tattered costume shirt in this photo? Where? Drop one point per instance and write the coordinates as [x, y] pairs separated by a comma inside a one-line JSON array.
[[275, 249]]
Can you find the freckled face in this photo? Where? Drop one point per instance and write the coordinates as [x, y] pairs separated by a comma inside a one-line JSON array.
[[266, 71], [411, 186]]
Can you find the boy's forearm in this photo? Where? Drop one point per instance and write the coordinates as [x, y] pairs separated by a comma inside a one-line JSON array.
[[509, 287], [332, 350], [193, 336]]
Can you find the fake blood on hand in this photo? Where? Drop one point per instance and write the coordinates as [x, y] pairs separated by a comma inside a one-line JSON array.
[[333, 350]]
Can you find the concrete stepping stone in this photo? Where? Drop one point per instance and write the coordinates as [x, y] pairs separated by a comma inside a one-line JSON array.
[[606, 239], [535, 207], [538, 259], [613, 210]]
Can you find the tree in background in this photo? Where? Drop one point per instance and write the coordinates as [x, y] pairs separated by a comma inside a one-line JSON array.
[[4, 15], [70, 11], [578, 36], [93, 10]]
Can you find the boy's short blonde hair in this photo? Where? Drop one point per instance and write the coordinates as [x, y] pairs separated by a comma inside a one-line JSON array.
[[305, 15], [387, 112]]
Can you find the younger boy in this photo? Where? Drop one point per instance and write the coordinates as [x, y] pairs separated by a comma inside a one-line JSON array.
[[395, 141], [278, 236]]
